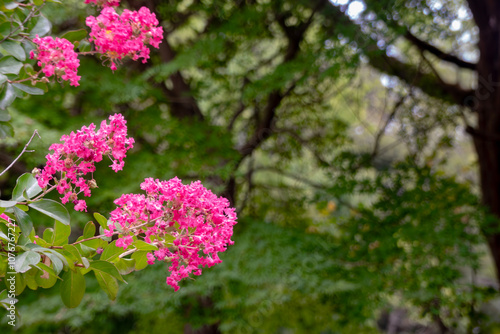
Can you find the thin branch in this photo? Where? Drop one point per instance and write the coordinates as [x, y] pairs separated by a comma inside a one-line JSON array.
[[305, 181], [303, 142], [22, 152], [381, 132], [482, 135], [424, 46], [379, 60], [33, 13], [104, 236], [249, 176]]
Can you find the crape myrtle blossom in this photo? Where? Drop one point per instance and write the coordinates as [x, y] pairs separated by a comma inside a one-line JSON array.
[[104, 3], [127, 35], [188, 223], [77, 155], [57, 56]]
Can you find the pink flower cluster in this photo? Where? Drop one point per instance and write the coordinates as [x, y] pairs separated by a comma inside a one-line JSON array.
[[77, 155], [126, 35], [104, 3], [57, 56], [188, 224], [4, 216]]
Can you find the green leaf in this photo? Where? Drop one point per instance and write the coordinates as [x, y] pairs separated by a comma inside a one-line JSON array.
[[3, 78], [144, 246], [45, 282], [84, 46], [28, 183], [108, 283], [85, 250], [41, 28], [94, 243], [89, 230], [14, 49], [20, 282], [48, 235], [8, 65], [8, 96], [6, 129], [111, 252], [22, 207], [3, 236], [4, 115], [69, 258], [57, 263], [125, 266], [25, 260], [48, 269], [72, 288], [38, 2], [11, 5], [75, 35], [74, 252], [58, 260], [85, 262], [28, 89], [52, 209], [61, 233], [7, 204], [30, 278], [141, 260], [101, 220], [107, 268], [23, 221]]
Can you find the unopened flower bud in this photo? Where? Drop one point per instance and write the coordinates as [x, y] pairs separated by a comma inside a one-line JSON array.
[[92, 184], [68, 162], [59, 72], [35, 171], [73, 197], [89, 144]]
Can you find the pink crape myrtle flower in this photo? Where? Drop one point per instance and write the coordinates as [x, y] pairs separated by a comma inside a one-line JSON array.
[[104, 3], [77, 155], [4, 216], [127, 35], [57, 57], [188, 223]]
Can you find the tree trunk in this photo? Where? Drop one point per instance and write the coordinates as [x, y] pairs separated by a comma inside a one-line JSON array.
[[486, 103]]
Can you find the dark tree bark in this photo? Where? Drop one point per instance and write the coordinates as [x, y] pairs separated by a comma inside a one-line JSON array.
[[486, 103]]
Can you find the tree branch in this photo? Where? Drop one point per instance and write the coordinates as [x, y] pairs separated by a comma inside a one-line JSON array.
[[335, 20], [22, 152], [424, 46]]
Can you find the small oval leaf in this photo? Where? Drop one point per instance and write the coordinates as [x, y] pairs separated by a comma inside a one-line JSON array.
[[72, 288], [52, 209]]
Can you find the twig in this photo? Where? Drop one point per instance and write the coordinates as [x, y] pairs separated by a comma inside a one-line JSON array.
[[22, 152], [130, 251], [104, 236], [382, 130]]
